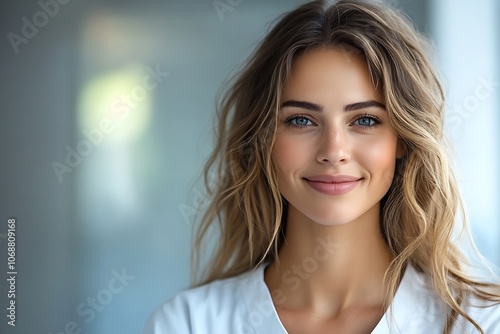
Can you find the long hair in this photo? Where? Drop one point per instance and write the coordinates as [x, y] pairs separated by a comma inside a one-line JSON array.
[[418, 213]]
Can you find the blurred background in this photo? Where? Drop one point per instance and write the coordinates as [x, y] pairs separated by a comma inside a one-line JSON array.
[[106, 119]]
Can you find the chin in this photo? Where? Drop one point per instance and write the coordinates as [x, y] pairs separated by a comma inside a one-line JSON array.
[[334, 219]]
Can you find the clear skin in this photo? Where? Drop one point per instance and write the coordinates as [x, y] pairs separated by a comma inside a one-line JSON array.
[[344, 292]]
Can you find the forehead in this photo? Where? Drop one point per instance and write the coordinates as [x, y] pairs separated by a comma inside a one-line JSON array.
[[330, 74]]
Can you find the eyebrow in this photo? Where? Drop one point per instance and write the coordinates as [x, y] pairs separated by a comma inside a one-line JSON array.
[[349, 107]]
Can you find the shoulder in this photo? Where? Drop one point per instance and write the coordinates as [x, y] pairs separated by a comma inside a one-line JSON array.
[[416, 307], [485, 313], [216, 307]]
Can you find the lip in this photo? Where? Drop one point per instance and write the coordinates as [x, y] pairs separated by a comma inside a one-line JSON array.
[[333, 184]]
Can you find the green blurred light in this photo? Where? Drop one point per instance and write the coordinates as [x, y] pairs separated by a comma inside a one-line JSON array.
[[119, 98]]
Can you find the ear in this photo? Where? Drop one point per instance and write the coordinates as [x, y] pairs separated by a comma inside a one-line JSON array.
[[400, 149]]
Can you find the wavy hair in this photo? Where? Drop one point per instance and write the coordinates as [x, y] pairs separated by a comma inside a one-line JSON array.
[[418, 213]]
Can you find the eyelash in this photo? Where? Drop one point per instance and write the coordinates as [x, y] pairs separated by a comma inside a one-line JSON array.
[[371, 117], [289, 120]]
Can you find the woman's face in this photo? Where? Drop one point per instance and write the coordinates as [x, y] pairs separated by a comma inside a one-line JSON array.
[[335, 149]]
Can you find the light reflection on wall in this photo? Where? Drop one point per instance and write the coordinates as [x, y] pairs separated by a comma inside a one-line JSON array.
[[115, 109], [470, 71], [114, 112], [120, 99]]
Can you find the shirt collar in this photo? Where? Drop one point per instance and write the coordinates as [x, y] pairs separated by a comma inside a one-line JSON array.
[[414, 307]]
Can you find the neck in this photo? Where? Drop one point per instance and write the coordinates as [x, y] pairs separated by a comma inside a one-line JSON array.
[[339, 266]]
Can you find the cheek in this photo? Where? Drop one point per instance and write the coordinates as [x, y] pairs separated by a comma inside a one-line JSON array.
[[379, 157], [286, 153]]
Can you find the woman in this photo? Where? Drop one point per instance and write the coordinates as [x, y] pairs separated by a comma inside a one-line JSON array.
[[335, 199]]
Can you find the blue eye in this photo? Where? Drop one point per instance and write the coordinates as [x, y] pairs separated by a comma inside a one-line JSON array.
[[298, 121], [367, 121]]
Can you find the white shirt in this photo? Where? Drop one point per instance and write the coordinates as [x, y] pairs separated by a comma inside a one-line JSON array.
[[243, 305]]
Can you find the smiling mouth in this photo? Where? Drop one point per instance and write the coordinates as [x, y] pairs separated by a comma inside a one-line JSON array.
[[333, 185]]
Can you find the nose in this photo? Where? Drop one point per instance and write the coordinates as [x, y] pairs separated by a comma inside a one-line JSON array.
[[334, 147]]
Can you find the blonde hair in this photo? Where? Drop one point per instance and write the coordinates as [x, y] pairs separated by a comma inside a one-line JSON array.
[[419, 211]]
